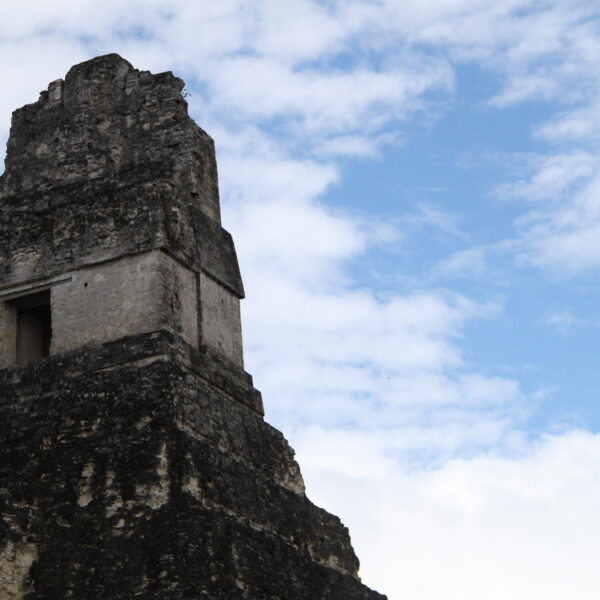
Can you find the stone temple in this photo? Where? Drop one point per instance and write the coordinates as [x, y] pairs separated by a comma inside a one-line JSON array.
[[134, 458]]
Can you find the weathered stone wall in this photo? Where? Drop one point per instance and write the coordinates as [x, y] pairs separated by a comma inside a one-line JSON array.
[[106, 166], [180, 300], [105, 302], [134, 294], [82, 224], [220, 319], [105, 122], [148, 480], [131, 295]]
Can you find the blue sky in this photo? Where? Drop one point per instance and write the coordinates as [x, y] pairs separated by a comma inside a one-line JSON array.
[[414, 192]]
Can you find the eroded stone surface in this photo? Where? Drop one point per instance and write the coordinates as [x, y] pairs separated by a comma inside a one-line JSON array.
[[110, 122], [15, 561], [152, 481], [104, 172]]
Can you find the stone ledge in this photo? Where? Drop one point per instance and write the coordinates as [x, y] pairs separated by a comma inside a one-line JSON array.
[[161, 344]]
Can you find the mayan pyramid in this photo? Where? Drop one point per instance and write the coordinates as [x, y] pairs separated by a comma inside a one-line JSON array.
[[135, 461]]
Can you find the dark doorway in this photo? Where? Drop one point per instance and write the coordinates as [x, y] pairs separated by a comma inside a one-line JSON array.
[[34, 326]]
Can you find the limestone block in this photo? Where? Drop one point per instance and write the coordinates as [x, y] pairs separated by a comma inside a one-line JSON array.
[[221, 323]]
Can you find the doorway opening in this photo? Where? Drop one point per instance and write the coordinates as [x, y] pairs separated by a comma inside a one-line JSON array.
[[34, 326]]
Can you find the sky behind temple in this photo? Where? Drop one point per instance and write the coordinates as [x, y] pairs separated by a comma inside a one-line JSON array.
[[413, 187]]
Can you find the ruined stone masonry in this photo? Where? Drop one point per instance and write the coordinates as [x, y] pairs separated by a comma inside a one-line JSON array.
[[134, 458]]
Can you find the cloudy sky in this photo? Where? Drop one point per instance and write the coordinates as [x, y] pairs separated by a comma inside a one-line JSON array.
[[414, 191]]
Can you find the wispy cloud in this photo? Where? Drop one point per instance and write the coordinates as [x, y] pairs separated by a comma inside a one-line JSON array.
[[563, 237], [578, 124], [563, 320], [551, 178], [471, 262]]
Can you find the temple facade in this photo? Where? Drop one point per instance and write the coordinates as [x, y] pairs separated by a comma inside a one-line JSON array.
[[135, 461]]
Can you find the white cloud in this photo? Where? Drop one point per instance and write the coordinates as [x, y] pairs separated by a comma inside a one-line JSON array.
[[354, 145], [431, 216], [252, 61], [464, 263], [560, 228], [563, 238], [526, 87], [563, 320], [324, 101], [298, 30], [491, 527], [555, 177], [322, 66], [579, 124]]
